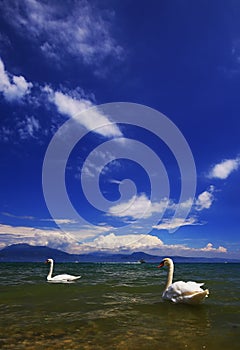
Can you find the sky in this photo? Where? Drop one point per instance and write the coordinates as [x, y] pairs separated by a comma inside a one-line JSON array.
[[119, 126]]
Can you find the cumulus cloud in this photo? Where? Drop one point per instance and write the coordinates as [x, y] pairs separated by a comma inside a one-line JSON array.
[[69, 241], [77, 28], [225, 168], [209, 248], [90, 239], [34, 236], [148, 243], [131, 242], [13, 87], [205, 199], [93, 120], [139, 206]]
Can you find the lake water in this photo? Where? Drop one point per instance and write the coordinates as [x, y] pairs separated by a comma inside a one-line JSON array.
[[116, 306]]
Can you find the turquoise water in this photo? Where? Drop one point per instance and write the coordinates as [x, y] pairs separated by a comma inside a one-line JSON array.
[[116, 306]]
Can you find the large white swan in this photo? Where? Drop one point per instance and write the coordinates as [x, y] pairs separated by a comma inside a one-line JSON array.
[[182, 292], [59, 278]]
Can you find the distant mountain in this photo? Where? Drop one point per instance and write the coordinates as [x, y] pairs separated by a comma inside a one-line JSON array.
[[25, 252], [28, 253]]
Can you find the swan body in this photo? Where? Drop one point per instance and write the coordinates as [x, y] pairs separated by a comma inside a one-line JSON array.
[[182, 292], [64, 278]]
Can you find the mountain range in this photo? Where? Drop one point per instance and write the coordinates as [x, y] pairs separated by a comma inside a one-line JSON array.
[[28, 253]]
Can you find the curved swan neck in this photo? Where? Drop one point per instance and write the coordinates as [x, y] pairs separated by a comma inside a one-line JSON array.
[[51, 270], [170, 274]]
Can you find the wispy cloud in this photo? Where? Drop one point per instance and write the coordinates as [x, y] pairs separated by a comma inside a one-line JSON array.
[[33, 218], [13, 87], [224, 169], [69, 103], [78, 29], [25, 128], [171, 224], [72, 107], [25, 217], [28, 127], [102, 163]]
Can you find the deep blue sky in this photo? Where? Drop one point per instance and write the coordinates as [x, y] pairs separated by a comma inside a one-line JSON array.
[[179, 58]]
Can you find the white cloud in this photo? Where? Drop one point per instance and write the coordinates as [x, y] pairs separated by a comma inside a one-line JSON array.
[[90, 239], [148, 243], [209, 248], [171, 224], [28, 127], [69, 241], [64, 221], [75, 28], [225, 168], [34, 236], [92, 121], [141, 207], [13, 87], [25, 127], [130, 242], [205, 199], [92, 170], [113, 181], [25, 217], [138, 207]]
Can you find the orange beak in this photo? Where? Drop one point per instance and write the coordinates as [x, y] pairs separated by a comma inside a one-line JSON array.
[[160, 265]]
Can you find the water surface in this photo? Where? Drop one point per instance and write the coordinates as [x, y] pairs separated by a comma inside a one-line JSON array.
[[116, 306]]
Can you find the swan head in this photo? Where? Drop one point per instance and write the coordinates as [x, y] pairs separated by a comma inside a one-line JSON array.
[[49, 261], [166, 262]]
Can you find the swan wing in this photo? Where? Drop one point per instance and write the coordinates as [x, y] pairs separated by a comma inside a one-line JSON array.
[[64, 278], [188, 286], [194, 297], [185, 292]]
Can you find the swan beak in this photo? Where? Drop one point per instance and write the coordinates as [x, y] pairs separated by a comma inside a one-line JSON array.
[[46, 262], [161, 264]]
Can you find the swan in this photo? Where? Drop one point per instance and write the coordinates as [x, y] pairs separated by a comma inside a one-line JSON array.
[[59, 278], [182, 292]]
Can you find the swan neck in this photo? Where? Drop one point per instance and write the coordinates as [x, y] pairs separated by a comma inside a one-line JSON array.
[[170, 275], [51, 270]]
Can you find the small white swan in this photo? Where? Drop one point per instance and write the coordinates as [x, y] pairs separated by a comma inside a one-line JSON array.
[[182, 292], [65, 278]]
